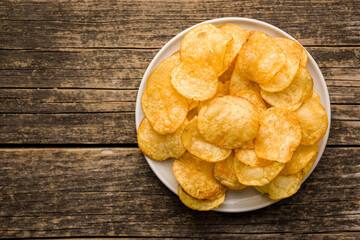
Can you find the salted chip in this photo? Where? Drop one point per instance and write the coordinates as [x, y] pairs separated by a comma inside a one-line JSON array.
[[304, 58], [308, 167], [239, 82], [228, 121], [256, 176], [260, 58], [301, 157], [248, 157], [198, 146], [194, 80], [200, 205], [225, 174], [195, 176], [279, 135], [282, 186], [293, 96], [293, 52], [160, 147], [313, 120], [254, 97], [207, 43]]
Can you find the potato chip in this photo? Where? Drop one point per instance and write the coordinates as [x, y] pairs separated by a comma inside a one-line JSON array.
[[225, 174], [194, 80], [198, 146], [222, 90], [308, 167], [192, 104], [228, 121], [195, 176], [248, 145], [291, 97], [239, 82], [254, 97], [197, 204], [293, 52], [226, 76], [304, 58], [301, 157], [248, 157], [208, 44], [160, 147], [256, 176], [282, 186], [260, 58], [279, 135], [313, 120]]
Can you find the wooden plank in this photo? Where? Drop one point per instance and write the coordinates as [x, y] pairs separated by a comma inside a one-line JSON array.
[[113, 192], [106, 23]]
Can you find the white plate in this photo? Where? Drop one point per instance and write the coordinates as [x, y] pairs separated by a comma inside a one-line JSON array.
[[247, 199]]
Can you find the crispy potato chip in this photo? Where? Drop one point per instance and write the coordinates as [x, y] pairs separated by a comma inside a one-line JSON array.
[[200, 205], [308, 167], [163, 71], [208, 44], [226, 76], [194, 80], [198, 146], [256, 176], [301, 157], [254, 97], [228, 121], [222, 90], [313, 120], [195, 176], [160, 147], [225, 174], [260, 58], [239, 82], [293, 52], [293, 96], [279, 135], [282, 186], [304, 58], [248, 157]]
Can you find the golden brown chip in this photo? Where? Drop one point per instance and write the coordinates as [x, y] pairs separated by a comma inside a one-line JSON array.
[[308, 167], [239, 82], [197, 204], [160, 147], [248, 157], [208, 44], [282, 186], [260, 58], [225, 174], [256, 176], [195, 176], [313, 120], [301, 157], [194, 80], [198, 146], [304, 58], [293, 96], [254, 97], [228, 121], [279, 135], [293, 52], [226, 76], [222, 90]]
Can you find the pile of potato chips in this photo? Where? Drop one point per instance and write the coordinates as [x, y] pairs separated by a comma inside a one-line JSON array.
[[234, 108]]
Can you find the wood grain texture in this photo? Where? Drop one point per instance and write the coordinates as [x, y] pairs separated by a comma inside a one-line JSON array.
[[97, 192]]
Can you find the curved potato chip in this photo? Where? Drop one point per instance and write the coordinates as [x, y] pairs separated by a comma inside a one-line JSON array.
[[248, 157], [226, 76], [256, 176], [194, 80], [208, 44], [260, 58], [239, 82], [254, 97], [301, 157], [279, 135], [225, 174], [160, 147], [228, 121], [308, 167], [313, 120], [293, 96], [195, 176], [293, 52], [304, 58], [198, 146], [199, 205], [282, 186]]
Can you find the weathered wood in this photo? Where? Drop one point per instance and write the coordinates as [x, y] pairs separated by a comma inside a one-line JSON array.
[[138, 23], [113, 192]]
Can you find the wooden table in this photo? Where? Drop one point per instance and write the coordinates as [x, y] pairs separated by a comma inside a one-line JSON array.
[[70, 165]]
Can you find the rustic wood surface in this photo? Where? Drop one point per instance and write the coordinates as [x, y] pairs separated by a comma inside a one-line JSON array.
[[69, 162]]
